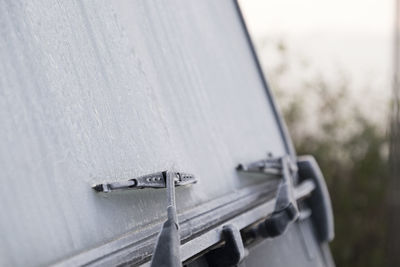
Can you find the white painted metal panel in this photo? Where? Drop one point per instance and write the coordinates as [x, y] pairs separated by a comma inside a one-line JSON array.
[[99, 90]]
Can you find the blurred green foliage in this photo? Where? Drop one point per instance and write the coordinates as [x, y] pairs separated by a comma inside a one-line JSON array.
[[351, 149]]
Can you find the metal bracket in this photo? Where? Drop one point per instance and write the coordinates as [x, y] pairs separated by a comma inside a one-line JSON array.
[[154, 180]]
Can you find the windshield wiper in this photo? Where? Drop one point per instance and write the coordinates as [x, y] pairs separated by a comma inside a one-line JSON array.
[[167, 248]]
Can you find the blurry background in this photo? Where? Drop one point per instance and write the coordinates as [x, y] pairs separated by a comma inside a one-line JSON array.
[[330, 65]]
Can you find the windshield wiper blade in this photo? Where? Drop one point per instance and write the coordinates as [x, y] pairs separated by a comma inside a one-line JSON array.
[[154, 180]]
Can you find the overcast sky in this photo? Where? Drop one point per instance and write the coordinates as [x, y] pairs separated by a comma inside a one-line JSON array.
[[349, 36], [368, 16]]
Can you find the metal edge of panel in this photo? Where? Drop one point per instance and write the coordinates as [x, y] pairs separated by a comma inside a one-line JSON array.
[[281, 124]]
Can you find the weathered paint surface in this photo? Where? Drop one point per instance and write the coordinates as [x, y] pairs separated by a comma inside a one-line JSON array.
[[99, 90]]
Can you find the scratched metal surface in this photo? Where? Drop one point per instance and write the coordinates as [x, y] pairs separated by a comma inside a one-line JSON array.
[[93, 91]]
